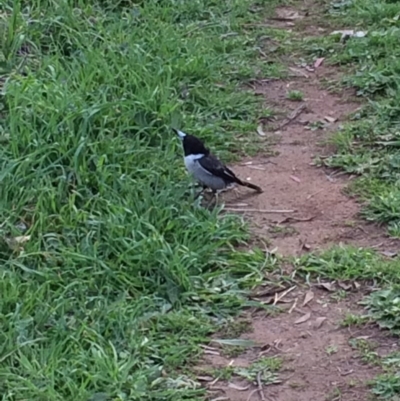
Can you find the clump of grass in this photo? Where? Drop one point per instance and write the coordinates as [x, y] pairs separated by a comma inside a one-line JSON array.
[[387, 385], [110, 277], [383, 306], [351, 319], [295, 95], [266, 368], [350, 263]]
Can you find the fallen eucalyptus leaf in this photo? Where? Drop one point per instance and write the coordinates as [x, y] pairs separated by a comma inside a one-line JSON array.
[[238, 388], [389, 254], [308, 297], [330, 119], [205, 378], [318, 62], [327, 286], [319, 321], [344, 286], [303, 319]]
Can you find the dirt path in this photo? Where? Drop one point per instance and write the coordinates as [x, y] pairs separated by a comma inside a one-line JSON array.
[[323, 215], [321, 359]]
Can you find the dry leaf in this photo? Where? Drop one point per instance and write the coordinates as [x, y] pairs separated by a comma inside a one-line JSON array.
[[362, 337], [356, 285], [330, 119], [211, 352], [327, 286], [343, 32], [298, 72], [16, 242], [22, 239], [238, 388], [308, 297], [293, 306], [260, 130], [205, 378], [347, 373], [303, 319], [389, 254], [278, 298], [344, 286], [318, 62], [346, 34], [319, 321], [294, 178], [287, 15]]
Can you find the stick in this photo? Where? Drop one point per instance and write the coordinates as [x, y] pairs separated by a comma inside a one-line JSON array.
[[251, 394], [288, 219], [281, 296], [292, 117], [260, 387], [230, 209], [315, 193]]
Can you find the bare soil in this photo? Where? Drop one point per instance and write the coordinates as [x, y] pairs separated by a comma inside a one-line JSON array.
[[320, 359], [319, 362], [323, 215]]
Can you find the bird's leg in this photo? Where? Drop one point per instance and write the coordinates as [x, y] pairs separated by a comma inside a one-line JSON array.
[[198, 194], [214, 197]]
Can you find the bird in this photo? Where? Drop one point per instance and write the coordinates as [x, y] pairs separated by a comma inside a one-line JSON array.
[[206, 168]]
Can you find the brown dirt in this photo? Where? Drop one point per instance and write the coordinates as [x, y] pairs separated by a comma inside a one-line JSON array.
[[319, 363], [291, 181]]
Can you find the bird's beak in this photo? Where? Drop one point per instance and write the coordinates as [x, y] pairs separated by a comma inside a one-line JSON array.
[[179, 133]]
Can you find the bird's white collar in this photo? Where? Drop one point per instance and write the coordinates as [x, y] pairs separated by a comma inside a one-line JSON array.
[[194, 157]]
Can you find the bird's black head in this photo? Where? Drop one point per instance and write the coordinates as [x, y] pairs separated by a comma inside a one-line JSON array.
[[191, 144]]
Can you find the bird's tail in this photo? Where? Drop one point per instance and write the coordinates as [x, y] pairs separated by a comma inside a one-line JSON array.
[[252, 186]]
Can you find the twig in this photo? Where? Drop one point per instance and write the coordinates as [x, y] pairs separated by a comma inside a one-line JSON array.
[[292, 117], [251, 394], [315, 193], [288, 19], [260, 386], [288, 219], [264, 162], [278, 298], [293, 306], [230, 209]]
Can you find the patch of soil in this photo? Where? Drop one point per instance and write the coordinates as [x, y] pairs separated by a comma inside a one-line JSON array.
[[319, 362], [323, 215]]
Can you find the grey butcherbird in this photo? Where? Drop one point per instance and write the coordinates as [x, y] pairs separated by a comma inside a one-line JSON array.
[[208, 170]]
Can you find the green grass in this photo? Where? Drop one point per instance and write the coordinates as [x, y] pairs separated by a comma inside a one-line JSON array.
[[295, 95], [110, 276], [350, 263]]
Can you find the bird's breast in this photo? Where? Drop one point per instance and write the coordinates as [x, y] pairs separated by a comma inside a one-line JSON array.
[[192, 163]]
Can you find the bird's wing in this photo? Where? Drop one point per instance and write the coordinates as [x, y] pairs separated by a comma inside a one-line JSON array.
[[215, 167]]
